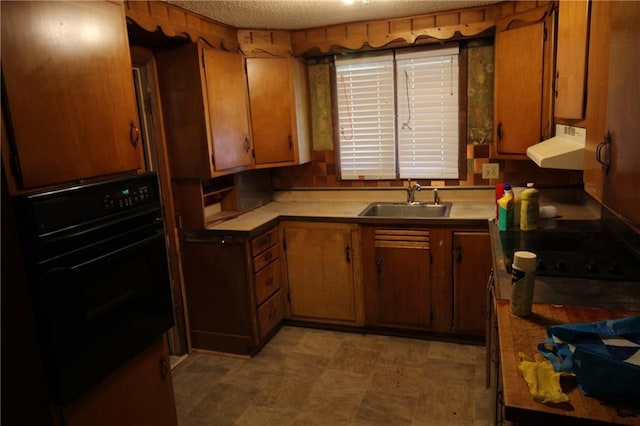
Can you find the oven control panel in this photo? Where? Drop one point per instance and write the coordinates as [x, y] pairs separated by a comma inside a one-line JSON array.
[[128, 196], [89, 203]]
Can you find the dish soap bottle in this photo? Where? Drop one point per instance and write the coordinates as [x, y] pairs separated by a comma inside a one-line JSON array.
[[529, 208], [505, 209]]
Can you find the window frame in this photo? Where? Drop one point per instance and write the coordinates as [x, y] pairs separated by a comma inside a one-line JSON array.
[[464, 164]]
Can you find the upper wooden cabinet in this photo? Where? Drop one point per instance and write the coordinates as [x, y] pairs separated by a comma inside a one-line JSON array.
[[279, 98], [522, 69], [571, 59], [68, 92], [204, 100], [613, 109]]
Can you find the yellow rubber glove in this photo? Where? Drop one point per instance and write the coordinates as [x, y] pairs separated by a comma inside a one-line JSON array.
[[543, 380]]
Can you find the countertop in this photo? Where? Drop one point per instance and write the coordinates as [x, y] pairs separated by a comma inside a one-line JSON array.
[[519, 334], [471, 206]]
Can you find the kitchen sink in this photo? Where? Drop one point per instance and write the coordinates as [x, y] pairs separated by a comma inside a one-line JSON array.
[[407, 210]]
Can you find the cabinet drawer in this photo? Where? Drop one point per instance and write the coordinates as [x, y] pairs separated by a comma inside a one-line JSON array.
[[266, 257], [271, 313], [268, 280], [264, 241]]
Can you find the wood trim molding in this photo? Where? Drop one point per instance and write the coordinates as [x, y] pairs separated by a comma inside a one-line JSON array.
[[407, 31], [175, 21]]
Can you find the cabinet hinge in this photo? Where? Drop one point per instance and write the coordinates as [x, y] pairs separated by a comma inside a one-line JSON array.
[[204, 62], [544, 34], [284, 244], [147, 103]]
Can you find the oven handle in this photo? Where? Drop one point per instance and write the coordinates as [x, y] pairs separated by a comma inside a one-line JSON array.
[[146, 241]]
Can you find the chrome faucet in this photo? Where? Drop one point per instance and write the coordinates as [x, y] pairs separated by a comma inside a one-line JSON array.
[[411, 191], [436, 197]]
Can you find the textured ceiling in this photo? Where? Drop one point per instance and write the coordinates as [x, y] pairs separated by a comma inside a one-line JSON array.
[[301, 14]]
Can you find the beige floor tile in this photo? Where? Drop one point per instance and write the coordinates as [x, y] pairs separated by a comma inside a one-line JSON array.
[[264, 416], [334, 399], [385, 409], [408, 352], [309, 377], [397, 379], [351, 357]]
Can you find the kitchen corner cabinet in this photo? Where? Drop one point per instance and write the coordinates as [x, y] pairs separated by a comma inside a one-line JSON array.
[[138, 393], [523, 56], [471, 268], [205, 110], [279, 100], [68, 95], [571, 59], [322, 272], [233, 290]]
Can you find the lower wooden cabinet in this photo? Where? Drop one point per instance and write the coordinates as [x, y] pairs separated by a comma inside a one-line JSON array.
[[138, 393], [471, 269], [233, 290], [322, 272], [397, 276]]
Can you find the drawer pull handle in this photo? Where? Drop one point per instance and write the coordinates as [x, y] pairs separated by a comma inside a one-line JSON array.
[[268, 256], [265, 240], [269, 282], [273, 313]]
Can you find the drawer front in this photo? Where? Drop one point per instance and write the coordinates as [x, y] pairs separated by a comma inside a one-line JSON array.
[[266, 257], [268, 280], [263, 242], [271, 313]]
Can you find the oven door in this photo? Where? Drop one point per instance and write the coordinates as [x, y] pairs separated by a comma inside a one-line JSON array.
[[100, 305]]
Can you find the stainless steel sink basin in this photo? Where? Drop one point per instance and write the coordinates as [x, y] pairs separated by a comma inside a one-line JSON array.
[[406, 210]]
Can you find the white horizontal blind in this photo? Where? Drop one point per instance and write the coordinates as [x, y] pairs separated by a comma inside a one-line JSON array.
[[366, 117], [428, 129]]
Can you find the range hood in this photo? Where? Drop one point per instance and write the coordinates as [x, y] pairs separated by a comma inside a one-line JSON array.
[[563, 151]]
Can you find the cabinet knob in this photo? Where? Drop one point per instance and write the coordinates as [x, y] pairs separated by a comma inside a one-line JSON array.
[[247, 146], [134, 134], [606, 141], [164, 368]]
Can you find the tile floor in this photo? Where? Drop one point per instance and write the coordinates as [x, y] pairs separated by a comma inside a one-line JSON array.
[[317, 377]]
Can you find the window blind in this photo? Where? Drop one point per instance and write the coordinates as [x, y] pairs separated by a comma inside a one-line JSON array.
[[428, 128], [366, 117]]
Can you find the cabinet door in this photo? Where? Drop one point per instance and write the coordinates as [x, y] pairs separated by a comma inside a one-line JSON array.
[[69, 91], [139, 393], [218, 302], [621, 190], [471, 269], [270, 93], [228, 109], [320, 272], [402, 293], [571, 58], [518, 88]]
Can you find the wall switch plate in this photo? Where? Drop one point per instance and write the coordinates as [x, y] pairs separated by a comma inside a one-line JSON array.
[[490, 171]]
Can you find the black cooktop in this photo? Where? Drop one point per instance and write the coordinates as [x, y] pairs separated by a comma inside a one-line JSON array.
[[576, 249]]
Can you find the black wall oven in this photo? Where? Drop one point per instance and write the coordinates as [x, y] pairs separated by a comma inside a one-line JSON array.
[[98, 276]]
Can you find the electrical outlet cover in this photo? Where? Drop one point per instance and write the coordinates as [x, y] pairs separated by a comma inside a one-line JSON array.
[[490, 171]]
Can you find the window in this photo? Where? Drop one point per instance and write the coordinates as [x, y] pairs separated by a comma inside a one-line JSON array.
[[398, 115]]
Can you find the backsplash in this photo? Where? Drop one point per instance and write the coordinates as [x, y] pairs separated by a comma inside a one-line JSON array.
[[321, 172]]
